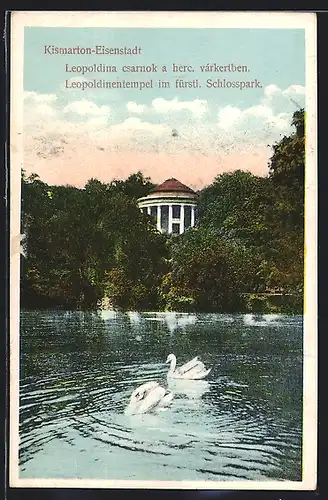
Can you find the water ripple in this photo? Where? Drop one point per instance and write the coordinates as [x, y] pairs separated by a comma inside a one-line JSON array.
[[244, 422]]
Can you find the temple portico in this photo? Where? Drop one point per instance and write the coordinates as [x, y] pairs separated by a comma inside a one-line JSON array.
[[173, 206]]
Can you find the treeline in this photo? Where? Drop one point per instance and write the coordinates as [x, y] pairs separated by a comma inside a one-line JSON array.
[[92, 247]]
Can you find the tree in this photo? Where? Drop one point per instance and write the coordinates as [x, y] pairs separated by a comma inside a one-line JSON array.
[[210, 272], [286, 174], [235, 205], [86, 245], [228, 192], [135, 186], [78, 240]]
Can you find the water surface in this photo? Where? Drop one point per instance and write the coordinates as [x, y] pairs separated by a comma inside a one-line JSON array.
[[78, 370]]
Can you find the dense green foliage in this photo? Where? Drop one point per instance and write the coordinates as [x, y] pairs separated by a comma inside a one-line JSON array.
[[92, 247]]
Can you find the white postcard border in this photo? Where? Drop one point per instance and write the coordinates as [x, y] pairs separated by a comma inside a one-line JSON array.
[[262, 20]]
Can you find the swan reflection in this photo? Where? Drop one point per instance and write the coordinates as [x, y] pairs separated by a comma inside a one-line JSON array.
[[193, 389]]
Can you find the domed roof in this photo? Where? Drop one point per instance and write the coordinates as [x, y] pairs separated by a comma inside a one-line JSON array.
[[172, 185]]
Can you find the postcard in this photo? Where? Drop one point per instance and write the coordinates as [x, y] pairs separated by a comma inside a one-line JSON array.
[[163, 209]]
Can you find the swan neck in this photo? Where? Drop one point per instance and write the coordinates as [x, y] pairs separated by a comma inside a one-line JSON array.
[[173, 364]]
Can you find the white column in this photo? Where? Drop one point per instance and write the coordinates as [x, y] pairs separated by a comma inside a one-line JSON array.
[[170, 219], [159, 218], [148, 210], [181, 219], [192, 216]]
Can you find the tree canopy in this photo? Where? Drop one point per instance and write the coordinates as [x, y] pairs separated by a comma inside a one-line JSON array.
[[86, 246]]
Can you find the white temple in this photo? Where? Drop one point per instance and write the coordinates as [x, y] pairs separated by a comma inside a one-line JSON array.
[[173, 206]]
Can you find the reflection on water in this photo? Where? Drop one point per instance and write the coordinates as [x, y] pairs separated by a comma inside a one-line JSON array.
[[78, 371], [193, 389]]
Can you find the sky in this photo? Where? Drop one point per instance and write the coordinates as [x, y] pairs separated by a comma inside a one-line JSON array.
[[72, 135]]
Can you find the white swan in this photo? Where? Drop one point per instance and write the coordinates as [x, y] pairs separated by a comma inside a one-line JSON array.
[[148, 397], [193, 370]]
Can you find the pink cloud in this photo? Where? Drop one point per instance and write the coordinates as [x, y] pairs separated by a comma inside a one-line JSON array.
[[77, 166]]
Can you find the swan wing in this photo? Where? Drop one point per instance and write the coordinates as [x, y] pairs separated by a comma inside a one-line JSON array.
[[188, 366], [141, 391], [200, 366], [139, 396], [152, 399], [199, 374], [148, 386], [166, 400], [191, 367]]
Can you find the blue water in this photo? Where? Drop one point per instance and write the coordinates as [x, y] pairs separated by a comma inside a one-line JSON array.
[[78, 370]]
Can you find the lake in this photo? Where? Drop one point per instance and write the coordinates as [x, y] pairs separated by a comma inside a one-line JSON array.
[[78, 370]]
